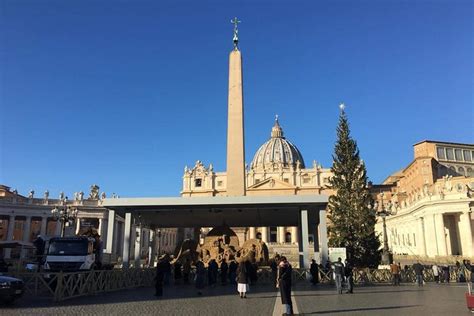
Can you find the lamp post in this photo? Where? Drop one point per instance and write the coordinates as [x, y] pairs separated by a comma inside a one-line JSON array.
[[383, 212], [65, 214], [159, 242]]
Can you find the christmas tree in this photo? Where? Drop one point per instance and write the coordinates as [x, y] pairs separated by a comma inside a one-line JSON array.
[[351, 219]]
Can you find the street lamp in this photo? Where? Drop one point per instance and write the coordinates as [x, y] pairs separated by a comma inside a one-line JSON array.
[[159, 242], [383, 212], [65, 214]]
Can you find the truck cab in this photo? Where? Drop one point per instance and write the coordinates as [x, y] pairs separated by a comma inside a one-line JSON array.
[[70, 254]]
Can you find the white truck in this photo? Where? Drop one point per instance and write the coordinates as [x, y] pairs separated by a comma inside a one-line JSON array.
[[70, 254]]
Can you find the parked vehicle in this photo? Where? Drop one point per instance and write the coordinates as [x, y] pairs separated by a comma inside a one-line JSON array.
[[70, 254], [10, 289]]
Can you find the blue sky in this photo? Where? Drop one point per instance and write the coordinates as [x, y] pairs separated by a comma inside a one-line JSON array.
[[124, 94]]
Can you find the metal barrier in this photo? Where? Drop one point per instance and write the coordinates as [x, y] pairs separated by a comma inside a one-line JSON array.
[[62, 286]]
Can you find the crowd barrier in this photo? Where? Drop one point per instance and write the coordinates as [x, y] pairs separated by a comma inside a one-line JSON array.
[[62, 286]]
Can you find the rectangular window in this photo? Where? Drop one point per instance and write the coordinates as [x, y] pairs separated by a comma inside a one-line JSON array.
[[219, 183], [450, 153], [458, 153], [441, 153], [198, 183], [257, 181], [467, 155], [306, 180], [286, 180]]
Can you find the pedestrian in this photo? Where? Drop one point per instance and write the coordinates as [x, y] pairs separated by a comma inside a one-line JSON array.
[[212, 271], [418, 268], [224, 269], [242, 279], [200, 277], [395, 271], [177, 272], [186, 271], [314, 270], [446, 273], [160, 275], [167, 267], [349, 277], [274, 266], [338, 274], [232, 272], [284, 284], [435, 269]]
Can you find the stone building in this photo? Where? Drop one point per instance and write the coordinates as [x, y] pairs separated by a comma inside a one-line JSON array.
[[431, 202]]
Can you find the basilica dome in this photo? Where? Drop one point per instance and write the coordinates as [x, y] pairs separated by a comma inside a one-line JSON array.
[[276, 152]]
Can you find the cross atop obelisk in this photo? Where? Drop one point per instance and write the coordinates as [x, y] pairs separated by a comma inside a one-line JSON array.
[[235, 21]]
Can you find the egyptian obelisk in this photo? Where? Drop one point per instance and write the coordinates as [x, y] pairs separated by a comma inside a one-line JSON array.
[[235, 123]]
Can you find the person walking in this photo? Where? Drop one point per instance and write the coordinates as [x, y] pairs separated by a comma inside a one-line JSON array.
[[395, 271], [284, 284], [186, 271], [242, 279], [349, 277], [200, 277], [435, 269], [338, 274], [446, 273], [224, 269], [232, 272], [314, 271], [159, 278], [418, 268]]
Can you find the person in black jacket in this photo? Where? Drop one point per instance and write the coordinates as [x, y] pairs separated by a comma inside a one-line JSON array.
[[224, 269], [284, 283], [349, 278], [314, 270], [160, 276], [242, 279]]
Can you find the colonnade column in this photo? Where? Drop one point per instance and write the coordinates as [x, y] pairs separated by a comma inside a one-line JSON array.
[[440, 235], [265, 234], [11, 227], [252, 233], [281, 234], [44, 225], [303, 243], [294, 235], [465, 230], [421, 232], [323, 234], [110, 232], [26, 235], [57, 231], [126, 241]]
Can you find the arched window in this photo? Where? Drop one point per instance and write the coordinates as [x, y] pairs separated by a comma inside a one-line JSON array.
[[461, 171], [259, 236], [288, 237], [470, 172]]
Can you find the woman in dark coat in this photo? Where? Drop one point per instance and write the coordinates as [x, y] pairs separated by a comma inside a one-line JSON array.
[[200, 276], [284, 283], [242, 279], [160, 275]]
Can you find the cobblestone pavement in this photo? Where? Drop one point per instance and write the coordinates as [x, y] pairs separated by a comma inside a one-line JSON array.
[[430, 299], [262, 300]]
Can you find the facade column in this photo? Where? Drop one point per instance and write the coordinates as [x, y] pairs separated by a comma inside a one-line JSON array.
[[294, 235], [110, 232], [264, 234], [57, 231], [103, 226], [440, 235], [465, 231], [281, 234], [252, 233], [421, 241], [126, 241], [44, 225], [315, 232], [11, 227], [78, 225]]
